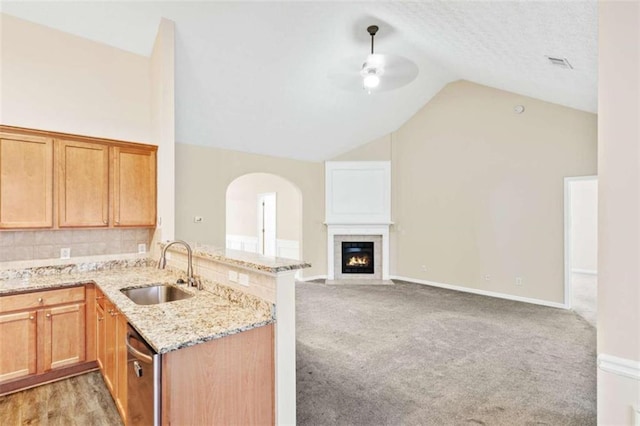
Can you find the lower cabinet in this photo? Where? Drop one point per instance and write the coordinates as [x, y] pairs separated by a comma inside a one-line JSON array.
[[42, 333], [18, 359], [111, 329]]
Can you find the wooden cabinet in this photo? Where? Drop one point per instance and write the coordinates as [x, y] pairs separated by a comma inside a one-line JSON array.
[[26, 181], [98, 182], [113, 355], [101, 333], [228, 381], [64, 335], [47, 334], [134, 187], [19, 349], [83, 184]]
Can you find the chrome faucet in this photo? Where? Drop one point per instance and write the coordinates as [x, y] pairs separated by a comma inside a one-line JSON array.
[[191, 280]]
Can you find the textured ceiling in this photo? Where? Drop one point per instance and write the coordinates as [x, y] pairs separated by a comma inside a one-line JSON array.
[[253, 76]]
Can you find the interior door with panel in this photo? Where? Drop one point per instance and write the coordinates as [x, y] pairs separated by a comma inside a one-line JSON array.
[[83, 184], [134, 187], [26, 181]]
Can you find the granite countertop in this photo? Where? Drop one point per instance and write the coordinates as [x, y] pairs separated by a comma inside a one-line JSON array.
[[214, 312], [242, 259]]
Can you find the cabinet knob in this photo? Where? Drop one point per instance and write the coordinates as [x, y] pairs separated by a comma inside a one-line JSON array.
[[105, 222], [32, 317], [48, 316], [117, 222], [100, 318], [99, 297], [40, 300]]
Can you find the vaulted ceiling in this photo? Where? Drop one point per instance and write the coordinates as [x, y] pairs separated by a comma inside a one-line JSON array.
[[254, 76]]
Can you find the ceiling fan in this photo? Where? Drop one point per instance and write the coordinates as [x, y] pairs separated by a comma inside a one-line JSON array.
[[378, 73]]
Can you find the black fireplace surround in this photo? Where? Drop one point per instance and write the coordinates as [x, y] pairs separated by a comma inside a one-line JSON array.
[[357, 257]]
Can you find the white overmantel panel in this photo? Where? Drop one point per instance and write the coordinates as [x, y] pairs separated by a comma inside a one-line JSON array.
[[358, 192]]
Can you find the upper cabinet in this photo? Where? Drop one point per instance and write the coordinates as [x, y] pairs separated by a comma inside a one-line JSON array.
[[83, 184], [26, 181], [134, 187], [54, 180]]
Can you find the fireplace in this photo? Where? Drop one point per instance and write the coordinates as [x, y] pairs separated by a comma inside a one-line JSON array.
[[357, 257]]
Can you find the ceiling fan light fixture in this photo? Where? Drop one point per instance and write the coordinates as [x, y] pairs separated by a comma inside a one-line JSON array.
[[371, 81]]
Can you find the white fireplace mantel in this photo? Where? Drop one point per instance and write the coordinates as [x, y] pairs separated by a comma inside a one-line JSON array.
[[358, 229]]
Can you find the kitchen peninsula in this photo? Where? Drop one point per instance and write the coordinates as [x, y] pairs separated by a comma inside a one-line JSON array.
[[217, 313]]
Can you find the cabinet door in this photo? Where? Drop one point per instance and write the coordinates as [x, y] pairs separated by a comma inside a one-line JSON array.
[[134, 187], [110, 347], [101, 335], [83, 184], [121, 365], [19, 348], [64, 332], [26, 181]]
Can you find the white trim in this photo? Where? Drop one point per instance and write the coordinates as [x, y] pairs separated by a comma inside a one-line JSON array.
[[620, 366], [567, 235], [361, 229], [285, 348], [584, 271], [313, 277], [483, 292]]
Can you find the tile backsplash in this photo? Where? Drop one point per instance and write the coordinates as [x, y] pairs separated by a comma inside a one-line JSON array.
[[46, 244]]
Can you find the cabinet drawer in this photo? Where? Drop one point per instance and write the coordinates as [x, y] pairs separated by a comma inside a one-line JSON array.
[[38, 299]]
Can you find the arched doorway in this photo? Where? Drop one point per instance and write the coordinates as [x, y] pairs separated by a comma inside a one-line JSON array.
[[264, 215]]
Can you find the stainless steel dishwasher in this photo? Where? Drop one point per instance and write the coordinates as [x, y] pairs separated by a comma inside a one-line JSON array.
[[143, 381]]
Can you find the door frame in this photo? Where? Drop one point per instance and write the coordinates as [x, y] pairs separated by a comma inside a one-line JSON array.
[[568, 293], [260, 199]]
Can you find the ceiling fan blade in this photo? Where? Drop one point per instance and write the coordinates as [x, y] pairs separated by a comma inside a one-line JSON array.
[[398, 72]]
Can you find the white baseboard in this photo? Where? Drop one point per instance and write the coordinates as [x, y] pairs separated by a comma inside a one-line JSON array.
[[314, 277], [483, 292], [620, 366], [584, 271]]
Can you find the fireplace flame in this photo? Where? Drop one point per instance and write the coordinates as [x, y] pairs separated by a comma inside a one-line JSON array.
[[358, 261]]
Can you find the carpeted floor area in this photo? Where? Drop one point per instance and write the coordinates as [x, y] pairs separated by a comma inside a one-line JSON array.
[[414, 355]]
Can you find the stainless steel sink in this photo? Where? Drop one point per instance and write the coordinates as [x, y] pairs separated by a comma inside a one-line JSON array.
[[155, 294]]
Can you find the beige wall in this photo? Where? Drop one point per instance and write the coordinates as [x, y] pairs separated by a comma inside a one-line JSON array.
[[478, 190], [56, 81], [377, 150], [203, 175], [242, 207], [584, 225], [619, 206]]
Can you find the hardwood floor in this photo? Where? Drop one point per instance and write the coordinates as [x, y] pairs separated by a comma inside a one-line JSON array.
[[82, 400]]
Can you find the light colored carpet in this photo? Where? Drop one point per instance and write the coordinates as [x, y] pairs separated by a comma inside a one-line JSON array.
[[413, 355]]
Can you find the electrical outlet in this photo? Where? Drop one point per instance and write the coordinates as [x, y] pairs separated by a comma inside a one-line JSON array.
[[487, 277], [519, 281], [243, 279], [423, 268], [142, 248], [65, 253], [233, 276], [197, 219]]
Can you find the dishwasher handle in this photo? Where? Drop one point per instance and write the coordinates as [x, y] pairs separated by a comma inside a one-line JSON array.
[[140, 355]]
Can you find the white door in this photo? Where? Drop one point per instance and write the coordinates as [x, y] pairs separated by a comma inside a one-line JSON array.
[[267, 224]]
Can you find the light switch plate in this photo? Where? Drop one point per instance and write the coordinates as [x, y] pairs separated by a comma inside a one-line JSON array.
[[233, 276], [142, 248], [243, 279]]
